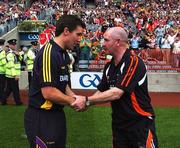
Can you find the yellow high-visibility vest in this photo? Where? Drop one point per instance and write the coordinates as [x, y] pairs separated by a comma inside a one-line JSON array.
[[2, 61], [10, 65]]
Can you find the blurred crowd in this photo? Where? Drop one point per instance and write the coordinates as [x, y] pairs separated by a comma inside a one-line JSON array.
[[11, 14], [152, 25]]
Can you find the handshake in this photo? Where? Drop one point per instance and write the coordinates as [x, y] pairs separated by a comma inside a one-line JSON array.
[[81, 103]]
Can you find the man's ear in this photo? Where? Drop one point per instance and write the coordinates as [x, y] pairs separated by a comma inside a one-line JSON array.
[[117, 42], [66, 31]]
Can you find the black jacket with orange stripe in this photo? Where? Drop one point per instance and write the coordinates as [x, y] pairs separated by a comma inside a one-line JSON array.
[[130, 75]]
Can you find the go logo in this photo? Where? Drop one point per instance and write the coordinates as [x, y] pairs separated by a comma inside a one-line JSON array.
[[87, 80], [33, 37]]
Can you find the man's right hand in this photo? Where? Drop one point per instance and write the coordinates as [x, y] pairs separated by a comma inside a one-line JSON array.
[[79, 104]]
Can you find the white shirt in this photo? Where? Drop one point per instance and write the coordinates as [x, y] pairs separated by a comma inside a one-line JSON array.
[[165, 43], [171, 39], [176, 49]]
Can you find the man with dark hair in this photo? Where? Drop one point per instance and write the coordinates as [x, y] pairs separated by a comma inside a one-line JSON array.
[[49, 92], [69, 21], [124, 84]]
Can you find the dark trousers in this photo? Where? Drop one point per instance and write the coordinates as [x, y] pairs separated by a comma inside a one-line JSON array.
[[141, 135], [12, 86], [29, 78], [45, 127], [2, 86]]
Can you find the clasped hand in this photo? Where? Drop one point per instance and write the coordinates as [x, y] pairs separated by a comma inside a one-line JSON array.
[[79, 104]]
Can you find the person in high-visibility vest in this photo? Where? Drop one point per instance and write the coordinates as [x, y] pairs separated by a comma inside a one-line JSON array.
[[2, 68], [13, 70], [29, 59]]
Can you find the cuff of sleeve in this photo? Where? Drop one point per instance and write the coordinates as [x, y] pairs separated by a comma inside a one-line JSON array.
[[48, 84], [125, 89], [101, 89]]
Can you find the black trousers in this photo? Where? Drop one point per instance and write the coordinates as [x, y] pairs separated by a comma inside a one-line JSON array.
[[29, 78], [2, 86], [48, 127], [141, 135], [12, 86]]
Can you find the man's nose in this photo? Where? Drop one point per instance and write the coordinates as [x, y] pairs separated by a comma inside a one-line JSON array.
[[79, 39]]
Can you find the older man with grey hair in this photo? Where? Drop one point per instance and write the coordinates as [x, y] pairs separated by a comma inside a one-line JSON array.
[[124, 84]]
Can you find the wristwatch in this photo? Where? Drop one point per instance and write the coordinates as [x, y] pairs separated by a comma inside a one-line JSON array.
[[88, 103]]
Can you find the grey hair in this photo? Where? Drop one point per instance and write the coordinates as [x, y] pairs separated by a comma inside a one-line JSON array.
[[118, 33]]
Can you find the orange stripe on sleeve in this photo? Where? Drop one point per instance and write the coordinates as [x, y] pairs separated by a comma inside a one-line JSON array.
[[137, 107], [132, 71], [149, 140], [132, 60]]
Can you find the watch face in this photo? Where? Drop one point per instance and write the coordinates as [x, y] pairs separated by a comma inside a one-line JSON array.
[[87, 103]]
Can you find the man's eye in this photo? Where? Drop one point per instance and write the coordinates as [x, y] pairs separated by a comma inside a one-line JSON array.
[[79, 34]]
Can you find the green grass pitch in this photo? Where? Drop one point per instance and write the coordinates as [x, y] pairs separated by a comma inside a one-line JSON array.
[[90, 129]]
